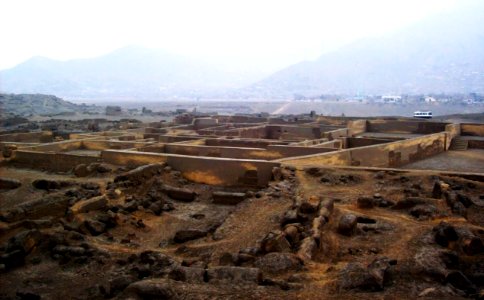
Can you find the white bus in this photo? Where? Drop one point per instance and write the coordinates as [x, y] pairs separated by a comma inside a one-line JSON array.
[[423, 114]]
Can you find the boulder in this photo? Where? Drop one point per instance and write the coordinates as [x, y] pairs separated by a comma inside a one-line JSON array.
[[81, 170], [372, 278], [458, 280], [140, 174], [95, 203], [188, 235], [181, 194], [24, 241], [307, 249], [423, 211], [444, 233], [275, 241], [9, 183], [276, 262], [227, 198], [187, 274], [365, 202], [347, 224], [410, 202], [95, 227], [45, 184], [230, 274]]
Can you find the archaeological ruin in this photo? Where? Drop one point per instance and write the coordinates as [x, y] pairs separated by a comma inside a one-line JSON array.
[[244, 207]]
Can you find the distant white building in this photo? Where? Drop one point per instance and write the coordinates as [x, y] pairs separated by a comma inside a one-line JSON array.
[[391, 99], [429, 99]]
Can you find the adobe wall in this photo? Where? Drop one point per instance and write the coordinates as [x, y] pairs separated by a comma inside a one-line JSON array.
[[472, 129], [55, 162], [214, 171], [272, 151], [309, 143], [452, 130], [476, 144], [356, 127], [335, 134], [109, 144], [169, 138], [401, 126], [393, 154], [337, 144], [292, 132], [28, 137], [352, 142], [62, 146], [247, 143]]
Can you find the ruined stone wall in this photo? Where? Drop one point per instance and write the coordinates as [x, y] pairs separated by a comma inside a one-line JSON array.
[[329, 144], [289, 151], [63, 146], [401, 126], [272, 151], [356, 127], [335, 134], [352, 142], [472, 129], [108, 144], [292, 132], [476, 144], [54, 162], [452, 130], [255, 143], [393, 154], [30, 137], [216, 171]]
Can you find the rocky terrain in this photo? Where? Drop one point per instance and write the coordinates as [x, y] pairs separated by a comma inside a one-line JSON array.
[[147, 233], [39, 104]]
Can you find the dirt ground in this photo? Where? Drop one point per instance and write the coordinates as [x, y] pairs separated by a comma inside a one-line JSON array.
[[471, 160], [318, 233]]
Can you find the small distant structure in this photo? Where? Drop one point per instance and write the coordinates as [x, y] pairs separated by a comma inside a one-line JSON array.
[[422, 114], [430, 99], [391, 99], [113, 110], [201, 123]]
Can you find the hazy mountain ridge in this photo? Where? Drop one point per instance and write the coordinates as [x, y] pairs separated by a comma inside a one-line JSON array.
[[131, 72], [440, 54]]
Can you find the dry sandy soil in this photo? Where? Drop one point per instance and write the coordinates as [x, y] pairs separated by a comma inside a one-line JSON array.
[[313, 233]]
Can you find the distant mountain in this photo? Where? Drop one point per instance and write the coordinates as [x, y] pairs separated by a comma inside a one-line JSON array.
[[38, 104], [127, 73], [444, 53]]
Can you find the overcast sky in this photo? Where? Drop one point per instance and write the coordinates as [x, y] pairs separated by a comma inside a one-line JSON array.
[[270, 32]]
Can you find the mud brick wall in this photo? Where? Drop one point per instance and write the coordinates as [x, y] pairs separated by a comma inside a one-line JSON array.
[[55, 162], [216, 171], [334, 134], [356, 127], [452, 130], [169, 138], [472, 129], [476, 144], [58, 146], [105, 144], [393, 154], [292, 132], [239, 143], [289, 151], [352, 142], [399, 126], [30, 137]]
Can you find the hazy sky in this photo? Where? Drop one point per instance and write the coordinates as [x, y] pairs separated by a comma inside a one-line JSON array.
[[270, 33]]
